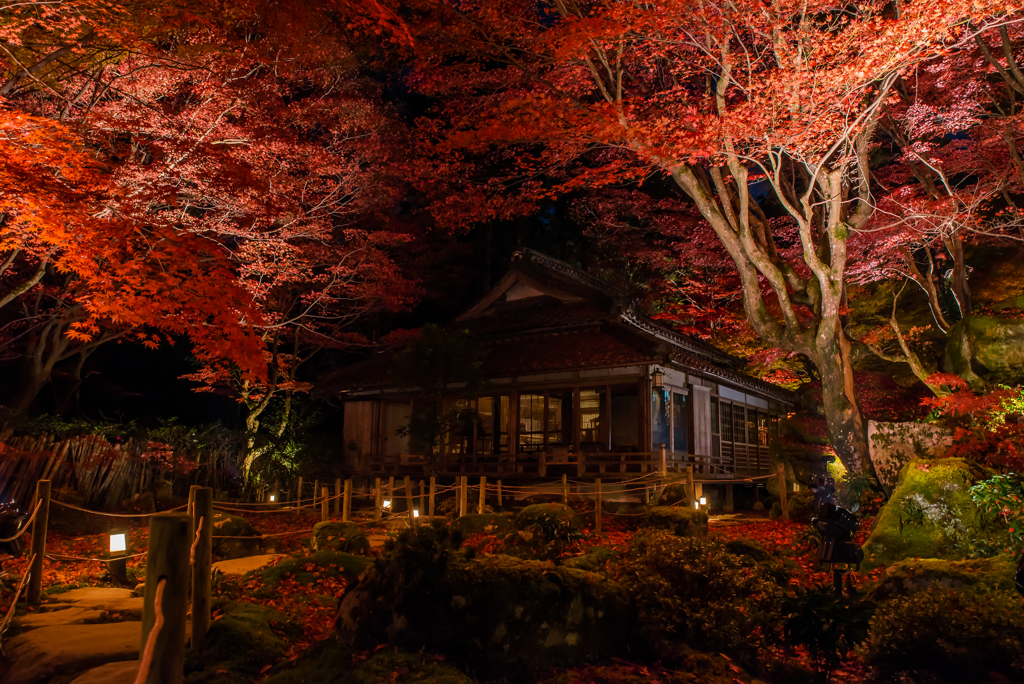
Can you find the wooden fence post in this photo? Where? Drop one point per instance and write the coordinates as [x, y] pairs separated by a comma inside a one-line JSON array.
[[325, 504], [433, 494], [730, 507], [167, 560], [191, 500], [202, 564], [390, 494], [691, 491], [565, 490], [298, 498], [38, 551], [337, 500], [662, 461], [316, 491], [463, 495], [423, 498], [499, 494], [783, 499], [597, 505], [483, 495], [376, 499], [408, 501], [346, 508]]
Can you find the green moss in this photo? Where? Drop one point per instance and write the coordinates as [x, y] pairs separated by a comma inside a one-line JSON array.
[[329, 664], [339, 536], [485, 522], [930, 514], [542, 514], [240, 643], [593, 560], [748, 548], [911, 576], [327, 564], [684, 522]]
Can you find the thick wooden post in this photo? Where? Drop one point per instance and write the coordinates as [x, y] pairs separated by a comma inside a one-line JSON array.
[[565, 490], [691, 491], [325, 504], [783, 498], [202, 563], [463, 495], [390, 496], [433, 494], [298, 498], [483, 495], [191, 501], [167, 561], [337, 500], [346, 508], [423, 498], [376, 499], [316, 492], [581, 464], [662, 461], [597, 505], [729, 505], [410, 509], [499, 494], [38, 551]]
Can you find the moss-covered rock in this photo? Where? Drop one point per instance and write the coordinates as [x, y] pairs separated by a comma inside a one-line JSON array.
[[486, 522], [674, 495], [225, 525], [683, 522], [546, 513], [330, 664], [913, 575], [992, 345], [801, 506], [306, 569], [240, 642], [593, 560], [499, 614], [748, 548], [339, 536], [930, 514]]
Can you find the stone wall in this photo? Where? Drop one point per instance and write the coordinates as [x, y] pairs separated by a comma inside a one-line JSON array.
[[893, 445]]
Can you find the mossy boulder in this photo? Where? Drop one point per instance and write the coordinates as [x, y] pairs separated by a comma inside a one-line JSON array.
[[801, 506], [339, 536], [545, 514], [913, 575], [593, 560], [993, 345], [495, 523], [674, 495], [930, 514], [328, 663], [500, 615], [307, 569], [245, 638], [683, 522], [748, 548], [225, 525]]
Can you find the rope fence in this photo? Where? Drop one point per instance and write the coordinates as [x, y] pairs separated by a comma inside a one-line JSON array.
[[24, 528]]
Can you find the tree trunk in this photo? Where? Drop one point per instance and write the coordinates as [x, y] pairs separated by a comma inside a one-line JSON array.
[[847, 429]]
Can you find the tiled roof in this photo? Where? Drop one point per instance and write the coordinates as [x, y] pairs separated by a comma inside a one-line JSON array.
[[511, 319], [571, 350]]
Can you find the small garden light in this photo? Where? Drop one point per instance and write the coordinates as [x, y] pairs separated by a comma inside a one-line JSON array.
[[696, 504], [386, 504], [703, 501], [117, 566], [415, 513], [117, 542], [271, 498]]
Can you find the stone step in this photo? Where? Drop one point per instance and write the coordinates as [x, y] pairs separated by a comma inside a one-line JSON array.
[[111, 673], [41, 655]]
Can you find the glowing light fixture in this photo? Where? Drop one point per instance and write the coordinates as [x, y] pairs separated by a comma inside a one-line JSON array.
[[415, 513], [117, 543], [703, 501], [271, 498], [117, 566], [386, 504], [657, 379], [696, 504]]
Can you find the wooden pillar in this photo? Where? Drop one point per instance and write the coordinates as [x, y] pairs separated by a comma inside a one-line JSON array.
[[662, 460], [565, 490], [597, 505], [783, 498], [483, 495], [376, 499], [408, 501], [298, 497], [691, 491], [390, 494], [202, 564], [729, 506], [499, 494], [325, 504], [463, 495], [433, 495], [423, 499], [38, 552], [346, 505], [581, 464], [316, 491], [190, 509], [337, 498], [167, 562]]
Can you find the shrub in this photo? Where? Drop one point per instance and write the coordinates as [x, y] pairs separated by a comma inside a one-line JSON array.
[[827, 624], [960, 634], [545, 531], [690, 589]]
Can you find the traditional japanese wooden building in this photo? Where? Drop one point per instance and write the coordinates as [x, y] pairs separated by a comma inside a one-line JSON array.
[[575, 381]]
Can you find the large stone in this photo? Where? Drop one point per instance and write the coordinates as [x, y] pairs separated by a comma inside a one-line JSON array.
[[233, 537], [484, 523], [240, 566], [894, 445], [109, 599], [929, 515], [339, 536], [41, 655], [681, 521], [544, 514], [111, 673], [913, 575], [499, 614], [73, 615], [994, 344]]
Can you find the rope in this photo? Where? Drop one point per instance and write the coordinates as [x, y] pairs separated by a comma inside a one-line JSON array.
[[115, 515], [265, 536], [24, 528], [14, 603], [192, 553], [93, 560], [147, 654]]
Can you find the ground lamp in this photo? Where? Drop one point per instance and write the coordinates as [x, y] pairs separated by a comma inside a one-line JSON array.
[[415, 513], [117, 566], [386, 503], [271, 498]]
